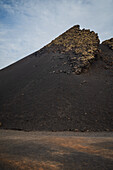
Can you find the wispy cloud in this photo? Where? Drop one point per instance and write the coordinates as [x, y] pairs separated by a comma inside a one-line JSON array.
[[28, 25]]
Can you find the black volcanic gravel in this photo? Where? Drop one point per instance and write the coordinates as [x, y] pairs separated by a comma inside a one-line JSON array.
[[40, 92]]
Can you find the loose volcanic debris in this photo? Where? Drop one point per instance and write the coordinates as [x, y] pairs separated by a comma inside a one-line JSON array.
[[81, 46]]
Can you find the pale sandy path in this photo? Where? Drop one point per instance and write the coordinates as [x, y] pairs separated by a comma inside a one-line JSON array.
[[55, 150]]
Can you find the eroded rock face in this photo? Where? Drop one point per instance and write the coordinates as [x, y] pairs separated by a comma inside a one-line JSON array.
[[81, 45]]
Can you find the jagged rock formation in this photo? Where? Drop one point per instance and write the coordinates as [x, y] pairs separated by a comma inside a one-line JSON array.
[[43, 92], [80, 45]]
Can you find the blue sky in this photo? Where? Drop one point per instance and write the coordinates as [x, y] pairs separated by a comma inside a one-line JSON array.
[[28, 25]]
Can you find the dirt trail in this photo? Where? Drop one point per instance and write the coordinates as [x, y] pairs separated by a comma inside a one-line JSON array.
[[55, 150]]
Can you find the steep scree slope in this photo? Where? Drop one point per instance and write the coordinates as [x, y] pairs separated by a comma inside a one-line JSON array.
[[43, 91]]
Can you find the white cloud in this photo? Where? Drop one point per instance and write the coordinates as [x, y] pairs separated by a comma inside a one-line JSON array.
[[30, 24]]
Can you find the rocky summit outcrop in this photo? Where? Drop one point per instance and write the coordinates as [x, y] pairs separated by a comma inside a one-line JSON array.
[[109, 43], [81, 46], [106, 53]]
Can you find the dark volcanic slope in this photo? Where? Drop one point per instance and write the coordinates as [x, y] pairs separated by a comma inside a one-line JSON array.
[[44, 91]]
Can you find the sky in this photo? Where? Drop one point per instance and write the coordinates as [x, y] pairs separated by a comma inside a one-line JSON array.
[[28, 25]]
